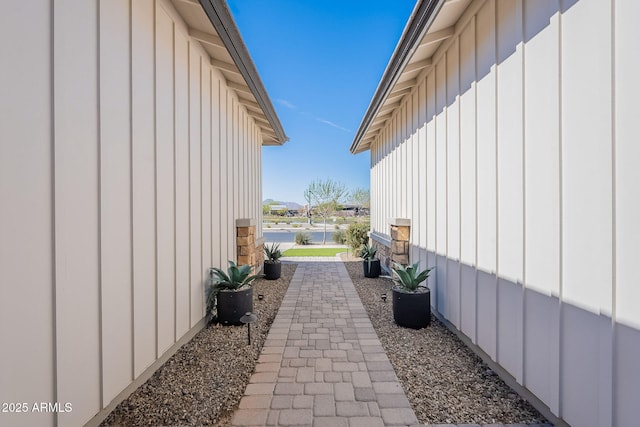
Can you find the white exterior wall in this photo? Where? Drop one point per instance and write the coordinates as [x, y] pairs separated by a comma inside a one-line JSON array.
[[525, 195], [124, 162]]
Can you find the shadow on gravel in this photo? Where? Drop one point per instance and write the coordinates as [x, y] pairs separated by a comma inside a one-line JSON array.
[[202, 383], [443, 379]]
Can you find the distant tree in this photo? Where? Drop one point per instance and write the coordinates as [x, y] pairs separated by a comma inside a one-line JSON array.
[[361, 196], [309, 199], [325, 197]]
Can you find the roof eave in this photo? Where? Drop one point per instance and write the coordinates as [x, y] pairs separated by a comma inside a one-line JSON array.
[[221, 19], [419, 22]]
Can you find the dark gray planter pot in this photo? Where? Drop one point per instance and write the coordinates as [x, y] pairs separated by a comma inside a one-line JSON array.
[[372, 272], [412, 310], [272, 270], [232, 305]]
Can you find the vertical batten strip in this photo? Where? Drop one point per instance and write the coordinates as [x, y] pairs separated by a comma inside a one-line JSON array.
[[474, 20], [190, 47], [210, 242], [459, 302], [523, 302], [175, 184], [251, 184], [52, 204], [99, 230], [497, 140], [560, 384], [231, 182], [156, 12], [611, 405], [249, 195], [155, 165], [131, 198], [224, 178], [241, 159], [234, 166]]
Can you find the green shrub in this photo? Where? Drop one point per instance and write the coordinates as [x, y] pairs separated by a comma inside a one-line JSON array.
[[339, 237], [295, 225], [357, 236], [302, 238]]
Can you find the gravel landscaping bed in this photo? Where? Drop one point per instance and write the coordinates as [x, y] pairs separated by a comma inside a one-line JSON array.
[[443, 379], [203, 382]]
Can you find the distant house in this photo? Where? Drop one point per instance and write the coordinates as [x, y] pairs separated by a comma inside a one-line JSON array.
[[130, 144], [352, 209], [503, 134], [277, 209]]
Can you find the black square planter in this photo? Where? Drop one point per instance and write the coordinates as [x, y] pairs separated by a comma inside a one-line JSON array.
[[372, 272], [272, 270], [412, 310], [232, 305]]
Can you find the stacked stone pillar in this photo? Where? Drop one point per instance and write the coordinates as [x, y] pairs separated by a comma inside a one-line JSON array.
[[399, 251], [249, 250]]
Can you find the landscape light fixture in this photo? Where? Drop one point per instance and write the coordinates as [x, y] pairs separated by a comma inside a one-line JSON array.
[[248, 318], [260, 297], [384, 297]]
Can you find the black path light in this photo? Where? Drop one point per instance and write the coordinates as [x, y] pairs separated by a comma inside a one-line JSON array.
[[384, 297], [260, 297], [248, 318]]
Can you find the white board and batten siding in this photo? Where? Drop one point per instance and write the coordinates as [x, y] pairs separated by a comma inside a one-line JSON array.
[[118, 138], [525, 195]]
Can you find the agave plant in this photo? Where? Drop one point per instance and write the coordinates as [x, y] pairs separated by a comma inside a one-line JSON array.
[[235, 278], [272, 253], [368, 253], [408, 278], [302, 238]]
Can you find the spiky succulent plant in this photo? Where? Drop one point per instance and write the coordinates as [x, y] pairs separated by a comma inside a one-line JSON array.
[[409, 278], [235, 278]]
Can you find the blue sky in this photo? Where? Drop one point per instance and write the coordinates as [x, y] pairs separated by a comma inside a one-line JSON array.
[[320, 61]]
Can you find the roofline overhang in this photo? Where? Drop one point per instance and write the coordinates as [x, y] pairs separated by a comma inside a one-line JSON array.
[[419, 22], [218, 13]]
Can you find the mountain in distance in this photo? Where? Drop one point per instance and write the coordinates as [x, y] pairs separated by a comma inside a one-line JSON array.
[[289, 205]]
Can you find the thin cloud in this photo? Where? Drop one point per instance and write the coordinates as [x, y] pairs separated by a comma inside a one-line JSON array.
[[292, 106], [327, 122], [287, 104]]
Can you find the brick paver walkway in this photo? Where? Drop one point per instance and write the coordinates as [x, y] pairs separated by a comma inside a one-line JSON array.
[[322, 363]]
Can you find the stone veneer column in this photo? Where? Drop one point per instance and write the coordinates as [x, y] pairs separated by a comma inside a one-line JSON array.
[[400, 228], [249, 250], [383, 251]]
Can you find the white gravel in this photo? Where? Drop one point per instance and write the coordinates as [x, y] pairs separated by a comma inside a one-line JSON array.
[[443, 379], [203, 382]]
